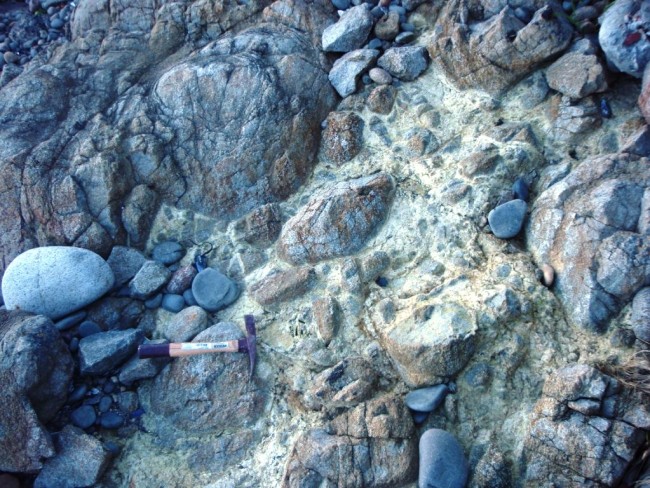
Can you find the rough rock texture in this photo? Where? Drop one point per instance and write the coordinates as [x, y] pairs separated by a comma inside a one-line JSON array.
[[281, 285], [586, 227], [644, 97], [404, 63], [343, 137], [577, 75], [262, 226], [350, 32], [372, 445], [348, 69], [102, 352], [337, 221], [478, 52], [35, 371], [585, 421]]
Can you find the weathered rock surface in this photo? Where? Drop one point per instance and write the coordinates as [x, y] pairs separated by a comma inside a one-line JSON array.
[[55, 281], [102, 352], [151, 277], [577, 75], [644, 97], [281, 285], [350, 32], [486, 55], [586, 227], [404, 63], [583, 423], [641, 314], [262, 226], [35, 371], [186, 324], [347, 70], [343, 137], [337, 221]]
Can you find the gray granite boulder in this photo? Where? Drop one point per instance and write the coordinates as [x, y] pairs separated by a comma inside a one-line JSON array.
[[577, 75], [347, 70], [100, 353], [404, 63], [586, 226], [350, 32], [80, 461], [584, 429], [55, 281], [442, 460], [621, 38], [338, 220]]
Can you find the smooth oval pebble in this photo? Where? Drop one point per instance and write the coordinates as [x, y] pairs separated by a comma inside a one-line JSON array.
[[213, 290], [520, 189], [442, 461], [426, 399], [188, 296], [88, 328], [55, 281], [380, 76], [548, 274], [154, 302], [173, 303], [83, 417], [70, 321], [506, 220], [111, 420], [105, 403]]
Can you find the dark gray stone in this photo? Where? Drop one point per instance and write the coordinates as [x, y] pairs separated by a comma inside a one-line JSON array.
[[641, 314], [83, 417], [168, 252], [346, 71], [173, 303], [104, 404], [404, 38], [213, 290], [442, 461], [507, 220], [139, 369], [185, 325], [111, 420], [80, 461], [70, 321], [154, 302], [405, 63], [426, 399], [188, 296], [350, 32], [88, 328], [125, 263], [520, 189], [100, 353], [639, 142], [149, 280]]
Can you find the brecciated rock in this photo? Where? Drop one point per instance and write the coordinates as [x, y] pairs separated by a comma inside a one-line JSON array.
[[343, 385], [404, 63], [55, 281], [621, 36], [371, 445], [343, 137], [262, 226], [338, 220], [102, 352], [282, 285], [430, 342], [213, 388], [577, 75], [498, 49], [80, 460], [350, 32], [584, 429], [326, 316], [586, 226], [347, 70]]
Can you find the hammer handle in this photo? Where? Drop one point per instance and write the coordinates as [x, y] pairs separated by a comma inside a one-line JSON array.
[[177, 349]]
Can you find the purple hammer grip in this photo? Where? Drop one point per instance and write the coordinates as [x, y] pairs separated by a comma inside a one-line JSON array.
[[153, 351]]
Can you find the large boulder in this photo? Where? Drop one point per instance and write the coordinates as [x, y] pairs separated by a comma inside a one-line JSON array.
[[586, 226], [338, 220], [480, 48]]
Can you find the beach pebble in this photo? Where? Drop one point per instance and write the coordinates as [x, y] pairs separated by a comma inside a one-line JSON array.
[[341, 4], [11, 57], [426, 399], [78, 393], [151, 278], [88, 327], [507, 220], [188, 296], [181, 279], [154, 302], [172, 302], [442, 460], [70, 321], [55, 281], [380, 76], [83, 417], [548, 274], [520, 189], [105, 403], [213, 290], [111, 420], [186, 324]]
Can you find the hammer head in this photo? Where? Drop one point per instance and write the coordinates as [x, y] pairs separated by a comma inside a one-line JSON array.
[[251, 339]]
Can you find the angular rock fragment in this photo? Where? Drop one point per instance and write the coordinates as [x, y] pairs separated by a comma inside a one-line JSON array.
[[262, 226], [577, 75], [279, 285], [151, 277], [404, 63], [346, 384], [346, 71], [350, 32], [337, 221], [102, 352], [125, 263], [343, 137]]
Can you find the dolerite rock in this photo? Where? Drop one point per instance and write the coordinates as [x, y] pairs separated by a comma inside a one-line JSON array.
[[507, 219], [405, 63], [35, 371], [583, 226], [431, 342], [350, 32], [186, 324], [641, 314], [584, 429], [487, 56], [621, 37], [213, 388], [151, 277], [343, 137], [125, 263], [387, 27], [346, 71], [338, 220], [344, 385], [381, 99], [577, 75], [100, 353], [213, 290], [426, 399], [80, 461], [372, 444], [282, 285], [55, 281], [442, 460], [262, 226]]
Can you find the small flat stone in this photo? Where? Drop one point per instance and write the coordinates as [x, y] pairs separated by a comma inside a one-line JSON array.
[[442, 460], [111, 420], [70, 321], [213, 290], [168, 252], [173, 303], [426, 399], [507, 220], [404, 38], [88, 328], [83, 417]]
